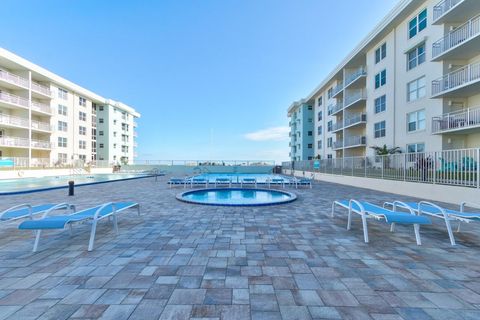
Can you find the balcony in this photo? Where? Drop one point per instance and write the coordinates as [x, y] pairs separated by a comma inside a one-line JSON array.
[[13, 121], [337, 126], [337, 89], [335, 108], [355, 119], [461, 43], [41, 126], [11, 99], [355, 97], [17, 142], [355, 141], [351, 79], [13, 79], [41, 89], [41, 107], [462, 122], [454, 10], [41, 144], [459, 83], [337, 145], [135, 124]]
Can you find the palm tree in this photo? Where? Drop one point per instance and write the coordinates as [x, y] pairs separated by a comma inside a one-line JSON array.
[[384, 152]]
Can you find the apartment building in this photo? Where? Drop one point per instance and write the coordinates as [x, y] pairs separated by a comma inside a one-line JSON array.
[[413, 83], [46, 120], [301, 134]]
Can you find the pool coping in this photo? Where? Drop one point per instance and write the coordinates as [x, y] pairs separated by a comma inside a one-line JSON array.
[[292, 196], [9, 193]]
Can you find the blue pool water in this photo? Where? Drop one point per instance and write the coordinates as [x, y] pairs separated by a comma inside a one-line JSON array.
[[237, 177], [237, 197], [23, 185]]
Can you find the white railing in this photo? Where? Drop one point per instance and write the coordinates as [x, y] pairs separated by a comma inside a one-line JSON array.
[[13, 78], [450, 167], [458, 120], [354, 119], [442, 7], [457, 78], [355, 75], [45, 126], [42, 144], [354, 96], [454, 38], [337, 89], [355, 141], [8, 141], [40, 88], [13, 120], [337, 126], [334, 108], [13, 99], [42, 107], [337, 144]]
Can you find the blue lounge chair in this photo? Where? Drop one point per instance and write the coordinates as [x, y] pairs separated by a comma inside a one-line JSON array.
[[194, 181], [434, 210], [276, 182], [27, 211], [177, 181], [368, 210], [94, 214], [248, 181], [305, 182], [223, 182]]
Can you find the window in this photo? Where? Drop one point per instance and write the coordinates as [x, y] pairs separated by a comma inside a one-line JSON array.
[[329, 142], [82, 101], [82, 157], [416, 57], [379, 129], [330, 93], [380, 104], [329, 156], [381, 53], [310, 133], [417, 24], [62, 126], [82, 130], [100, 145], [416, 121], [100, 108], [380, 78], [100, 133], [416, 147], [320, 116], [309, 146], [62, 94], [319, 144], [82, 116], [416, 89], [62, 157], [329, 126], [100, 120], [114, 121], [310, 120], [62, 142], [319, 130], [114, 133], [319, 101], [94, 146], [94, 134], [309, 108], [82, 144], [62, 110], [114, 146]]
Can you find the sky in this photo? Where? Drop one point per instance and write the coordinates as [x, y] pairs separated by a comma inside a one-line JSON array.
[[212, 79]]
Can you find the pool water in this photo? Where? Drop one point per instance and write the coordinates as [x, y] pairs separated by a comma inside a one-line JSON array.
[[11, 186], [237, 197], [237, 177]]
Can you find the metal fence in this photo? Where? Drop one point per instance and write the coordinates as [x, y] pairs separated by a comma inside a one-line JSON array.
[[196, 163], [450, 167]]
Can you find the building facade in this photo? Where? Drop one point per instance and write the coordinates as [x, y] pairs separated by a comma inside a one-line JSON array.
[[412, 83], [46, 120], [301, 131]]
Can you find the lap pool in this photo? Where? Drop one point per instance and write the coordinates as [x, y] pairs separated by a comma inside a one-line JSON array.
[[236, 178]]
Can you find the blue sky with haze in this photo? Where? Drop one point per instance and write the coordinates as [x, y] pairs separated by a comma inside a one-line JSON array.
[[212, 79]]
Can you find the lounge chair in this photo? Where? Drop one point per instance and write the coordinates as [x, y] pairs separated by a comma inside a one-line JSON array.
[[27, 211], [94, 214], [223, 182], [248, 181], [176, 182], [305, 182], [276, 182], [368, 210], [198, 181], [434, 210]]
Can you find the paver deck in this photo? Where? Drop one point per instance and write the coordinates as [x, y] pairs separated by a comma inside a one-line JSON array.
[[180, 261]]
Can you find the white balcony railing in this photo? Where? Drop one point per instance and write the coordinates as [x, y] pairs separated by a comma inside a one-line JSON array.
[[337, 126], [442, 7], [454, 38], [41, 144], [354, 119], [354, 96], [338, 144], [40, 88], [13, 121], [13, 78], [45, 126], [8, 141], [42, 107], [458, 120], [355, 141], [355, 75], [334, 108], [337, 89], [13, 99], [457, 78]]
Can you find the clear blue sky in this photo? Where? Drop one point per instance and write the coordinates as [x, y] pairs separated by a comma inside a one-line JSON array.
[[212, 79]]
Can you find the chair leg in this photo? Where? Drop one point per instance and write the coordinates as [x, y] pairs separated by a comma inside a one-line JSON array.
[[450, 233], [138, 209], [349, 220], [37, 239], [392, 227], [92, 235], [458, 227], [71, 229], [115, 223], [333, 209], [416, 228], [365, 228]]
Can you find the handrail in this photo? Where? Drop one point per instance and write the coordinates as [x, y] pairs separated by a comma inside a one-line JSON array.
[[13, 120], [355, 75], [13, 78], [456, 120], [13, 99], [41, 88], [454, 38], [443, 7], [457, 78]]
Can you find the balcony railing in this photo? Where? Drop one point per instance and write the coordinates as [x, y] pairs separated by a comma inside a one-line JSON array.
[[355, 75], [454, 38], [354, 119], [354, 96], [334, 108], [338, 144], [337, 89], [45, 126], [13, 121], [355, 141], [42, 107], [454, 121], [40, 88], [42, 144], [337, 126], [8, 141], [13, 99], [457, 78], [13, 78], [442, 7]]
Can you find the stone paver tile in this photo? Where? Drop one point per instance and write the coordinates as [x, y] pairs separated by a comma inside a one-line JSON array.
[[92, 311], [338, 298], [83, 296], [446, 300], [148, 309], [235, 312], [240, 296], [118, 312], [324, 313], [266, 315], [306, 281], [307, 298], [59, 312], [21, 297], [113, 296], [187, 296], [295, 313], [176, 312], [218, 296], [263, 302]]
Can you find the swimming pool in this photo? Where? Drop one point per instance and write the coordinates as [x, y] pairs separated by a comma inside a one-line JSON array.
[[261, 178], [237, 197], [27, 185]]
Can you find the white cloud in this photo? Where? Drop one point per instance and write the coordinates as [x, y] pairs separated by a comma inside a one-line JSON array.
[[269, 134]]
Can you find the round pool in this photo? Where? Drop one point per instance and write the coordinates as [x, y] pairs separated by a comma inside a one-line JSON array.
[[236, 197]]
